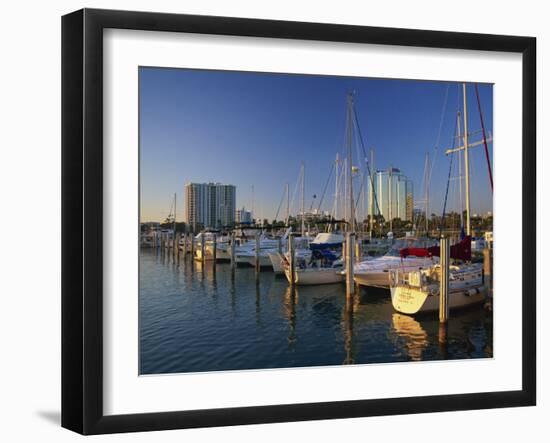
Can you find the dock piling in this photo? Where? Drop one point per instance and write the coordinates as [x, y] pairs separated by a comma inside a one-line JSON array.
[[292, 260], [257, 253], [349, 250], [358, 251], [232, 252], [192, 235], [215, 248], [444, 280], [488, 270], [203, 248], [177, 246]]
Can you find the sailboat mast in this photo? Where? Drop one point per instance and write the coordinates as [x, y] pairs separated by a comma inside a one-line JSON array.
[[253, 208], [371, 185], [459, 136], [390, 188], [345, 194], [466, 161], [427, 189], [175, 214], [350, 164], [303, 197], [336, 214], [287, 204]]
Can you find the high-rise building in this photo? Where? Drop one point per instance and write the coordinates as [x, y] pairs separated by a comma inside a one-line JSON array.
[[209, 205], [243, 216], [393, 195]]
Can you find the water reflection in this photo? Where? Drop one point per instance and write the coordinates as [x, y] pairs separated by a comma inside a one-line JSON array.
[[347, 326], [199, 317], [415, 338], [289, 306]]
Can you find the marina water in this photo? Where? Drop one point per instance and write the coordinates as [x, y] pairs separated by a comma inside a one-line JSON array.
[[196, 317]]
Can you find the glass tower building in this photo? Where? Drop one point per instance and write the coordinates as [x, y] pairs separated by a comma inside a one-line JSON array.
[[393, 195]]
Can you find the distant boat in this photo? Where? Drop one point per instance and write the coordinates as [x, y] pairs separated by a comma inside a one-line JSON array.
[[222, 246], [246, 253]]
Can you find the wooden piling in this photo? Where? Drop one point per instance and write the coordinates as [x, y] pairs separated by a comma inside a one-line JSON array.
[[192, 235], [292, 260], [184, 245], [215, 249], [349, 257], [488, 270], [232, 252], [203, 248], [177, 246], [358, 250], [257, 252], [444, 261], [442, 339]]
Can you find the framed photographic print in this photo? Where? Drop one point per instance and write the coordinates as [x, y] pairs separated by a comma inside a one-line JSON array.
[[269, 221]]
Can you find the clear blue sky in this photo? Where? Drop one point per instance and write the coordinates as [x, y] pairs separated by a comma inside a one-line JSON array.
[[254, 129]]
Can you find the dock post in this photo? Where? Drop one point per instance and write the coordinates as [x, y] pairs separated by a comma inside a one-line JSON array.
[[215, 248], [349, 249], [174, 246], [192, 235], [185, 246], [292, 260], [203, 248], [257, 252], [358, 251], [488, 270], [232, 252], [177, 246], [444, 280]]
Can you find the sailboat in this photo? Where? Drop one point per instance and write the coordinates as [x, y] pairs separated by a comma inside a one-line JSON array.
[[375, 271], [326, 266], [417, 291]]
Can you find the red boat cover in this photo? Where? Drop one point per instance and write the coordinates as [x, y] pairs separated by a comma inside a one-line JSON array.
[[460, 251]]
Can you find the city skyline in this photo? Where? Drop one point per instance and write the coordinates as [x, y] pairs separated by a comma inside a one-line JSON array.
[[253, 130]]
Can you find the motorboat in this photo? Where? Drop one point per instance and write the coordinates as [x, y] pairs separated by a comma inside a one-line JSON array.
[[323, 267]]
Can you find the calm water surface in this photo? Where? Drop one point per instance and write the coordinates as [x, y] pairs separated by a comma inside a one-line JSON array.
[[196, 318]]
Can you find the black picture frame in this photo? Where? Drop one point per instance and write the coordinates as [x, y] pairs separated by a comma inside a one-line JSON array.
[[82, 218]]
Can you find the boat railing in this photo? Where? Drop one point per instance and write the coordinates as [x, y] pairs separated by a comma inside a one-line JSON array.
[[421, 278]]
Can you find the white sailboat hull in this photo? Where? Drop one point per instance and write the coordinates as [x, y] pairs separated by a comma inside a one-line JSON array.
[[376, 279], [409, 300], [316, 276], [250, 260], [376, 272], [466, 288]]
